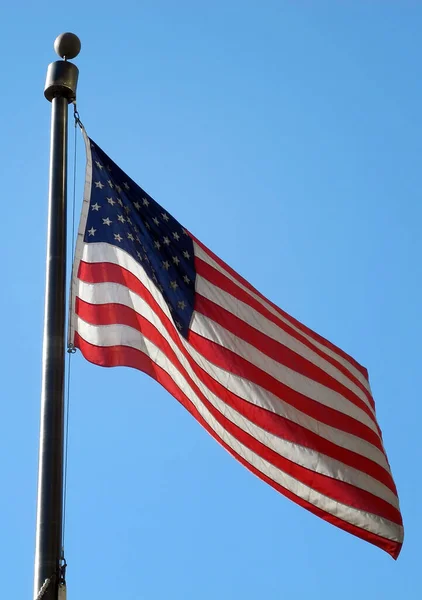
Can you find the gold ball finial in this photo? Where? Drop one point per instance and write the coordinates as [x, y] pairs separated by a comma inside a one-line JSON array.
[[67, 45]]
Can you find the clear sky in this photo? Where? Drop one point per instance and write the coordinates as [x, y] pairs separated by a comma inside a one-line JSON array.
[[286, 135]]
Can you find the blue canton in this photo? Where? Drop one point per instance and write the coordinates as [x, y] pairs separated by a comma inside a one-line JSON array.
[[124, 215]]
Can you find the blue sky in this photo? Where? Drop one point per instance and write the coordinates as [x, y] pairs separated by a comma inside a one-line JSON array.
[[286, 135]]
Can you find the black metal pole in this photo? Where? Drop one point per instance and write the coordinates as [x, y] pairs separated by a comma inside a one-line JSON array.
[[60, 90]]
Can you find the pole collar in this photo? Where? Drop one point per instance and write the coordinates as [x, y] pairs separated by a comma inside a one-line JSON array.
[[62, 80]]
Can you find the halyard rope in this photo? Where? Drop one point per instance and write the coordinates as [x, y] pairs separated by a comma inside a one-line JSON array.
[[43, 588], [70, 348]]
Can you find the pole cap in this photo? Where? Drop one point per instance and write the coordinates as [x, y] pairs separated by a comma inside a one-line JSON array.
[[62, 75], [67, 45]]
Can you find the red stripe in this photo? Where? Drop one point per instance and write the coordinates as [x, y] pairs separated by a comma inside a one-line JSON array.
[[124, 356], [218, 279], [267, 420], [222, 357], [260, 341], [272, 348], [291, 319], [338, 490], [103, 272]]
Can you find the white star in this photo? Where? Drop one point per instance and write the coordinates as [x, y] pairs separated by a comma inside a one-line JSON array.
[[119, 201], [157, 244], [130, 237], [186, 254], [108, 168], [184, 231], [166, 265], [139, 255], [165, 216], [121, 218], [137, 239], [156, 221], [98, 184], [111, 201], [117, 237], [174, 285], [99, 165], [96, 206], [176, 236], [127, 209], [118, 188], [92, 231], [178, 325], [176, 260], [166, 241], [186, 279], [137, 205], [145, 201], [126, 185], [129, 220], [110, 183], [182, 304], [147, 225], [107, 221]]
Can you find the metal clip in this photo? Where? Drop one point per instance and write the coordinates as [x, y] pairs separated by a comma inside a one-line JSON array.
[[76, 115]]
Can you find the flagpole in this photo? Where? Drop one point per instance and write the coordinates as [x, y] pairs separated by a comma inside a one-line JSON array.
[[60, 89]]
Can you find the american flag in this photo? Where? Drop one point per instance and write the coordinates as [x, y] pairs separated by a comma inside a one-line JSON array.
[[286, 403]]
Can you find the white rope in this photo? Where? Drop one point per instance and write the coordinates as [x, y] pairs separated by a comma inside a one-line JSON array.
[[43, 588]]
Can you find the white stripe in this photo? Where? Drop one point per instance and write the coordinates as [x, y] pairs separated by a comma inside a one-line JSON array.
[[303, 385], [244, 388], [129, 337], [105, 293], [208, 259], [108, 253], [253, 318]]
